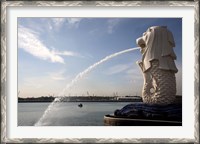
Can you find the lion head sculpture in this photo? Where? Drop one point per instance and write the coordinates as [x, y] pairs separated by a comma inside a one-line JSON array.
[[157, 43], [158, 65]]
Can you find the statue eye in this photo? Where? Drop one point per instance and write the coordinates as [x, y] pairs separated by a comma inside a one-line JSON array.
[[148, 30], [144, 33]]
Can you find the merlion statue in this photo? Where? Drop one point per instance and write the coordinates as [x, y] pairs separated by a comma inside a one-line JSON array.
[[158, 65], [160, 106]]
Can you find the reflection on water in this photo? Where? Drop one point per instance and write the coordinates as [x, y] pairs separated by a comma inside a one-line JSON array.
[[67, 113]]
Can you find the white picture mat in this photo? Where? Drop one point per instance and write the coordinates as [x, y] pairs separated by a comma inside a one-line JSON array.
[[185, 131]]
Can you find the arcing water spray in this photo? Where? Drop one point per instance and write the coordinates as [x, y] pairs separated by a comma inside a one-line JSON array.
[[77, 78]]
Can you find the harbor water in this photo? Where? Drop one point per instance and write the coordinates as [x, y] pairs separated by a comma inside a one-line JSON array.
[[67, 113]]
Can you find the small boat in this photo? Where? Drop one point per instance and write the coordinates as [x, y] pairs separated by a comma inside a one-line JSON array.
[[80, 105]]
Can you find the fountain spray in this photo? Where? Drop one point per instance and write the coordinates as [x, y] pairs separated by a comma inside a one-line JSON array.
[[76, 79]]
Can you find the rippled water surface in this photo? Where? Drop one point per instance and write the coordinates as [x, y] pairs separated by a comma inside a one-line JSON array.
[[67, 113]]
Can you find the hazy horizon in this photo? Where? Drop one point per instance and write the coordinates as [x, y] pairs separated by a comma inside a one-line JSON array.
[[52, 51]]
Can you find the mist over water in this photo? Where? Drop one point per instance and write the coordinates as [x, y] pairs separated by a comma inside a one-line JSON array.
[[76, 79]]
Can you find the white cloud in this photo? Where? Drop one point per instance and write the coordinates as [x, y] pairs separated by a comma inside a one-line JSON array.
[[59, 75], [117, 69], [74, 20], [112, 23], [49, 26], [29, 41], [58, 22], [70, 22], [64, 53], [132, 71]]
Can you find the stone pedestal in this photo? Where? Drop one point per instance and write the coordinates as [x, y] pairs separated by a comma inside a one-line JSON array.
[[111, 120], [141, 114]]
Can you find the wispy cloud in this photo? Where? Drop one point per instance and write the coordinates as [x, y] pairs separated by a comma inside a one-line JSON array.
[[112, 23], [94, 31], [117, 69], [64, 53], [70, 22], [132, 71], [29, 41], [58, 21], [74, 22], [58, 75], [134, 74]]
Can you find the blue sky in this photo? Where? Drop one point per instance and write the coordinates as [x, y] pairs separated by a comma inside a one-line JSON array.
[[52, 51]]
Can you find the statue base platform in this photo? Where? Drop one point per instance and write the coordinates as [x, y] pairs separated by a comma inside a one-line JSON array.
[[111, 120], [141, 114]]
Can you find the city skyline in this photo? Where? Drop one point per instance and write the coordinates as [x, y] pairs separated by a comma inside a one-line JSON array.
[[52, 51]]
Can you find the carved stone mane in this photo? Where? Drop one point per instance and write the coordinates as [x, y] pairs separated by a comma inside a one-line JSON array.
[[158, 65]]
